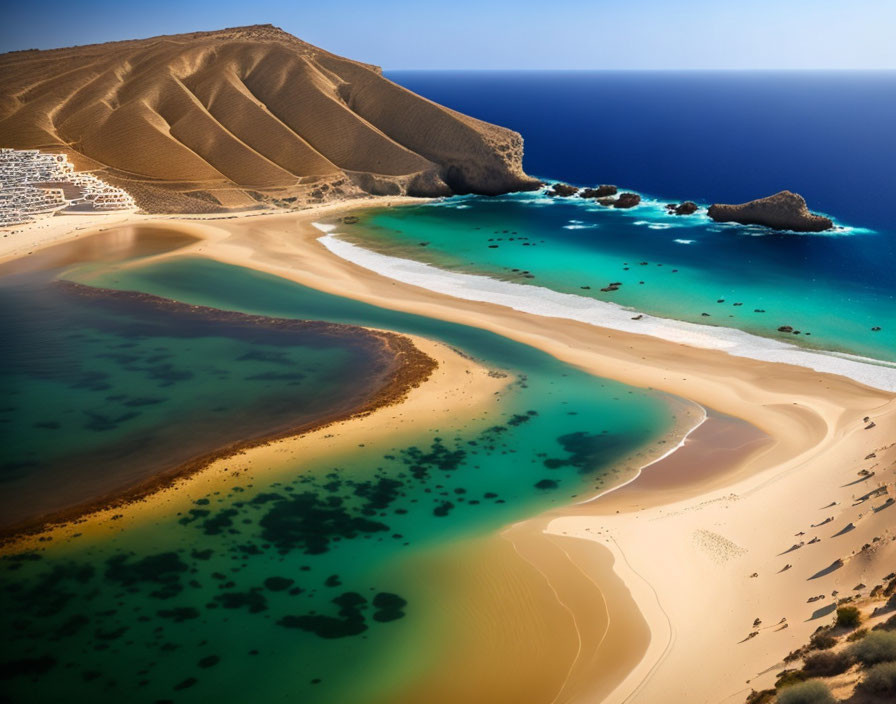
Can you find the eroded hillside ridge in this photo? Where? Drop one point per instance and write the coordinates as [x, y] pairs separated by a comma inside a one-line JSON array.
[[245, 116]]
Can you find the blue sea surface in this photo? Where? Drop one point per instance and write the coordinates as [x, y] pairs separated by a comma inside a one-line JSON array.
[[714, 136]]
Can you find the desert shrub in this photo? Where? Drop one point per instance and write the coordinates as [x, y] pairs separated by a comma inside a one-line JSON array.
[[796, 654], [826, 664], [822, 641], [857, 635], [790, 677], [811, 692], [765, 696], [848, 617], [880, 679], [877, 646], [888, 625]]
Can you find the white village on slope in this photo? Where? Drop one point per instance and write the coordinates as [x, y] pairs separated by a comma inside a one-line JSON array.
[[35, 185]]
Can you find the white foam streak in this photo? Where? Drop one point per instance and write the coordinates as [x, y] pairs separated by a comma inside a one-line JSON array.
[[538, 300]]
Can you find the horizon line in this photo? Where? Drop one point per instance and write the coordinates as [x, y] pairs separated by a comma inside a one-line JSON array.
[[663, 70]]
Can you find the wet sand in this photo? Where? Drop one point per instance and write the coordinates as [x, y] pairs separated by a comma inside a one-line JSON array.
[[711, 456], [110, 245]]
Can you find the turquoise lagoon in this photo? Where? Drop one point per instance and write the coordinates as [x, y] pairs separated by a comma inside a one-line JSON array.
[[834, 288], [304, 583]]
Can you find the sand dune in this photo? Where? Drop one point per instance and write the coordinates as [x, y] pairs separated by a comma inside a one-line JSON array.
[[245, 116]]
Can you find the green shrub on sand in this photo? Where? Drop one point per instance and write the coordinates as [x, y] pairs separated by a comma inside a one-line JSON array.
[[826, 664], [857, 635], [766, 696], [811, 692], [877, 646], [822, 641], [848, 617], [787, 678], [888, 625], [880, 680]]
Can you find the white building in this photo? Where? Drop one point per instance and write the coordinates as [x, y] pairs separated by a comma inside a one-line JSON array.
[[34, 184]]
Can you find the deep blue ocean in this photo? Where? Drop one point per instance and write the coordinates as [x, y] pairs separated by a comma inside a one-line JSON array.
[[706, 136]]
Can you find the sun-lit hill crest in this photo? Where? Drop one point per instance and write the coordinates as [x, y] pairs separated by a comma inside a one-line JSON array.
[[229, 119]]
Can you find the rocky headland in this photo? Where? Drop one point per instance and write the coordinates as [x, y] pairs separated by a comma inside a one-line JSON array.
[[246, 117]]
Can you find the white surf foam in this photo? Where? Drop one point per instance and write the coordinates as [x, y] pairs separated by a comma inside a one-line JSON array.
[[538, 300]]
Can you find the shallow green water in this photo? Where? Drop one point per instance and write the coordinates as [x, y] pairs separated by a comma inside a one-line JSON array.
[[302, 588]]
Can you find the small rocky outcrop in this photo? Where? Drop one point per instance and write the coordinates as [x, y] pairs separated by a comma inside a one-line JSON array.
[[782, 211], [602, 191], [627, 200], [563, 190], [689, 207]]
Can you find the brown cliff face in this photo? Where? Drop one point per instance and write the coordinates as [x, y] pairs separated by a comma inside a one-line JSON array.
[[782, 211], [230, 119]]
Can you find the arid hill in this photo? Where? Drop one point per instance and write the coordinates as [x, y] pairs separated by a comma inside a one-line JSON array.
[[230, 119]]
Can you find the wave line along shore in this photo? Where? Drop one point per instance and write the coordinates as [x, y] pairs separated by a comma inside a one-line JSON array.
[[539, 300]]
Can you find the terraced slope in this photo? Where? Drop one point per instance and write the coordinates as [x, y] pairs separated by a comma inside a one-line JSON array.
[[242, 116]]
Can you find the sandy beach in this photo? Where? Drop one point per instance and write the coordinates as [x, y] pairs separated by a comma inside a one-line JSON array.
[[666, 598]]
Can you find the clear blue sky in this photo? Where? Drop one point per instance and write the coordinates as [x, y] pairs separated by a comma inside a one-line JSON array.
[[501, 34]]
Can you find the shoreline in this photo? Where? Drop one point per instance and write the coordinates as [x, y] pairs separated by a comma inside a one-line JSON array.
[[806, 414], [678, 556], [455, 385], [815, 422], [649, 464], [60, 229], [410, 368], [539, 300]]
